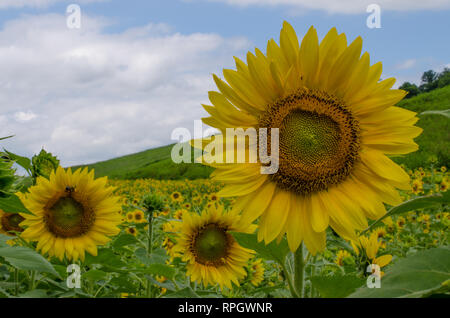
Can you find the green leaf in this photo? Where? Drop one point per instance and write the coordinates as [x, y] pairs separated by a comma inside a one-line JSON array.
[[153, 258], [123, 240], [336, 286], [272, 251], [183, 293], [4, 239], [105, 257], [413, 276], [24, 162], [94, 275], [27, 259], [445, 113], [160, 270], [413, 204], [3, 138], [36, 293], [12, 204]]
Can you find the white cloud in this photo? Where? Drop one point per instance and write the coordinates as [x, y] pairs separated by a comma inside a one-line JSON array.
[[87, 95], [343, 6], [406, 64], [6, 4], [24, 116]]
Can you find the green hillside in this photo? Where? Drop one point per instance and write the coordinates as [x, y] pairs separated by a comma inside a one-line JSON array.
[[153, 163], [435, 139]]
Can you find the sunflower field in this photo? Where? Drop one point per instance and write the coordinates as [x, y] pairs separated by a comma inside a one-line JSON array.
[[338, 219]]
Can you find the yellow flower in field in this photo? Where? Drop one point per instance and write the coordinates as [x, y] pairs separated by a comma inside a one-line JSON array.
[[9, 223], [213, 197], [443, 186], [381, 232], [71, 213], [132, 230], [256, 272], [176, 197], [417, 186], [187, 206], [179, 214], [341, 256], [370, 245], [443, 168], [139, 216], [212, 254], [337, 123], [401, 222], [130, 217]]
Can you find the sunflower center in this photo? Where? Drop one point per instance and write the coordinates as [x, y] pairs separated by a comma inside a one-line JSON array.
[[211, 245], [68, 218], [10, 222], [309, 137], [319, 140]]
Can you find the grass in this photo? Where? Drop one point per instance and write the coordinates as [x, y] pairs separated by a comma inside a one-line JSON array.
[[435, 138], [153, 163], [157, 164]]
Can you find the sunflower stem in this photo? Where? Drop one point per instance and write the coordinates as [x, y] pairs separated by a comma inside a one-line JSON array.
[[299, 271]]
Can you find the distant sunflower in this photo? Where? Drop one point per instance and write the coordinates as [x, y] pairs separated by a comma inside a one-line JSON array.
[[130, 217], [71, 213], [132, 230], [176, 196], [9, 223], [337, 123], [139, 216], [256, 272], [212, 254]]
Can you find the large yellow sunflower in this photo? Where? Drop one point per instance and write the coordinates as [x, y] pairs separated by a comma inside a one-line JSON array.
[[337, 123], [71, 213], [212, 254]]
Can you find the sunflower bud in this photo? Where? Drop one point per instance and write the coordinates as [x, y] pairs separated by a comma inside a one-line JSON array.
[[7, 177], [44, 164]]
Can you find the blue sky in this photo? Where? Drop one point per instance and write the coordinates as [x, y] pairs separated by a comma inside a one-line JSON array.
[[70, 86]]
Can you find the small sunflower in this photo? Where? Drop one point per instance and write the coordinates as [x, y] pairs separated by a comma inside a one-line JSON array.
[[212, 254], [337, 125], [130, 217], [256, 272], [70, 213], [343, 257], [371, 245], [132, 230], [9, 223], [176, 196], [139, 216]]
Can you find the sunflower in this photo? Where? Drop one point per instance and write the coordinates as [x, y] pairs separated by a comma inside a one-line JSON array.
[[130, 217], [176, 196], [70, 213], [343, 257], [139, 216], [370, 245], [256, 272], [132, 230], [9, 223], [212, 254], [337, 123]]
